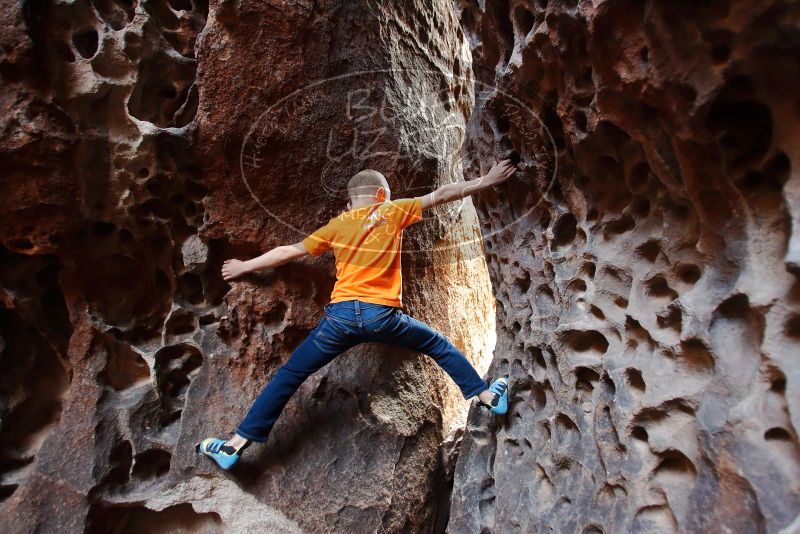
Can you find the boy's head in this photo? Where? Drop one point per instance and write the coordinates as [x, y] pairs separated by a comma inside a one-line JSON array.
[[367, 187]]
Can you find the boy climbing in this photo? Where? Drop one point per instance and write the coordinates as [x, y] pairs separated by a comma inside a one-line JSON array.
[[365, 303]]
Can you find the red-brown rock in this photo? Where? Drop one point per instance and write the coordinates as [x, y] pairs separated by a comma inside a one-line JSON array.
[[146, 142]]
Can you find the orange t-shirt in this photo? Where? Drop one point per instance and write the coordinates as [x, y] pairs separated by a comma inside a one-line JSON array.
[[367, 242]]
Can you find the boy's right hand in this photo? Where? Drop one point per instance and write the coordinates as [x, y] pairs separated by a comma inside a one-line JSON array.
[[500, 172], [233, 269]]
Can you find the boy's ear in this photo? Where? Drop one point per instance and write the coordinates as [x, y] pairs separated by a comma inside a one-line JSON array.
[[380, 194], [348, 206]]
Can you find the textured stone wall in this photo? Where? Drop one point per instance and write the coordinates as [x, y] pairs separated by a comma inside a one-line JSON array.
[[145, 142], [645, 264]]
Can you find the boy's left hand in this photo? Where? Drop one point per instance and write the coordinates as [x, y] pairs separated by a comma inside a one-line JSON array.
[[233, 269], [500, 172]]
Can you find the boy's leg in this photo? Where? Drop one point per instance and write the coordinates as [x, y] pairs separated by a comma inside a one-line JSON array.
[[407, 332], [322, 345]]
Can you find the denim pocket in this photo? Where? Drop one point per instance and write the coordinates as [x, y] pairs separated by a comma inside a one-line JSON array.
[[384, 322], [325, 342], [330, 337], [403, 317], [335, 327]]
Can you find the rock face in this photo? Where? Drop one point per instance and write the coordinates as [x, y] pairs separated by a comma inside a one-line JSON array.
[[144, 143], [645, 263]]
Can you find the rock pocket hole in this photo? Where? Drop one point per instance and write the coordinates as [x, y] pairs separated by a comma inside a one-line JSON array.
[[778, 168], [649, 251], [688, 273], [588, 269], [777, 434], [743, 128], [637, 181], [567, 431], [585, 341], [639, 433], [564, 231], [618, 226], [792, 327], [635, 380], [671, 319], [525, 20], [125, 368], [151, 464], [720, 53], [116, 13], [586, 379], [86, 42], [105, 518], [577, 288], [181, 322], [658, 287], [580, 121], [176, 365]]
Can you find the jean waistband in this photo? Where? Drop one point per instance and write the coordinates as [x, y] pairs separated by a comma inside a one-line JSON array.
[[350, 312], [354, 304]]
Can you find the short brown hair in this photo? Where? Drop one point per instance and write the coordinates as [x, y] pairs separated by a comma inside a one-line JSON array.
[[366, 182]]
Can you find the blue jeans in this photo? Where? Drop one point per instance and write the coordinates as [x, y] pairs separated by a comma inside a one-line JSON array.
[[346, 324]]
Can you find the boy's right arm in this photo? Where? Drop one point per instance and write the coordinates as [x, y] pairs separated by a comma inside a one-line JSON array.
[[499, 173], [234, 268]]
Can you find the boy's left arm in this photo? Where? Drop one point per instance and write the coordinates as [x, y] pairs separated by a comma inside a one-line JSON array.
[[277, 256], [499, 173]]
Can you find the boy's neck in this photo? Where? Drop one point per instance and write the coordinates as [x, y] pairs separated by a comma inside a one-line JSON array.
[[356, 206]]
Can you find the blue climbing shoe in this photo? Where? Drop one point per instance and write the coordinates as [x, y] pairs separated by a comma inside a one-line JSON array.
[[499, 404], [224, 455]]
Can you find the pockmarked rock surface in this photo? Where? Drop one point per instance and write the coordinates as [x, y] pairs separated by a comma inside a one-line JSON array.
[[649, 295], [645, 263], [143, 143]]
